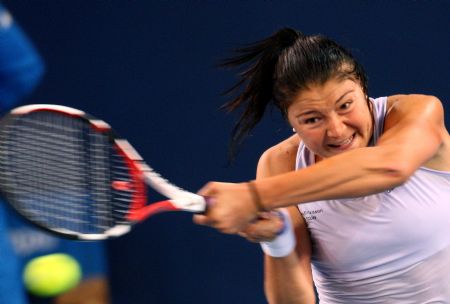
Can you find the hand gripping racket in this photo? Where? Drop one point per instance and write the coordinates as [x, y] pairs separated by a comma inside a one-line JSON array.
[[70, 173]]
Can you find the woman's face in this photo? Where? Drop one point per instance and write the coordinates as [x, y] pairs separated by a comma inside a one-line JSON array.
[[332, 118]]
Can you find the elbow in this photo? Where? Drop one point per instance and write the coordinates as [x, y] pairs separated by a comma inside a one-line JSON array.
[[389, 168], [396, 175], [397, 171], [395, 163]]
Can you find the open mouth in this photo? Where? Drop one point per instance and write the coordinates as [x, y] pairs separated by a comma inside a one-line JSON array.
[[342, 145]]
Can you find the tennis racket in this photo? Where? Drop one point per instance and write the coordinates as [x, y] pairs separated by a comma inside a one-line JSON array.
[[71, 174]]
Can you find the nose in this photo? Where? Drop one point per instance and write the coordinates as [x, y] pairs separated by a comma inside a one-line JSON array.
[[335, 126]]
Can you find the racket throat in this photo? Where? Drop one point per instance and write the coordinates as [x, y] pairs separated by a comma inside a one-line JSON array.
[[149, 210]]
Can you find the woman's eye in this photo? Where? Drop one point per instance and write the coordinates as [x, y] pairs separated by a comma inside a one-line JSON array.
[[311, 120], [346, 105]]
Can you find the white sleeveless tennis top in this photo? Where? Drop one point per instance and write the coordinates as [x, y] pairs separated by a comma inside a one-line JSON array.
[[391, 247]]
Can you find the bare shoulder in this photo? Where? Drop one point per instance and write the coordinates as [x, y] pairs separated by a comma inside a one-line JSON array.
[[415, 109], [279, 158], [408, 101], [422, 110]]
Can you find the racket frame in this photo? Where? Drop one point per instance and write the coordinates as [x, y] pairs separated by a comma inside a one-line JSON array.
[[143, 174]]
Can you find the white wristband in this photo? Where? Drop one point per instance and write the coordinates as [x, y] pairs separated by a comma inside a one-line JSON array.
[[285, 242]]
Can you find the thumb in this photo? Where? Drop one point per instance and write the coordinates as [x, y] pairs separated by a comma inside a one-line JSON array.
[[206, 190]]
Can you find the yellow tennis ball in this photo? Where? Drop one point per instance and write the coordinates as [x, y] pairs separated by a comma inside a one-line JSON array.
[[52, 274]]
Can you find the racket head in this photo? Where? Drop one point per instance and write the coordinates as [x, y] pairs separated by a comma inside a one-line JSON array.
[[62, 170]]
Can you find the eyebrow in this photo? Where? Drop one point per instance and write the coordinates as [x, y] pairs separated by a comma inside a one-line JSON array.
[[337, 101]]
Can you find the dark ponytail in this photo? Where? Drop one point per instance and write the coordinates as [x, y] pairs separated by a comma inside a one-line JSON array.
[[277, 68], [258, 79]]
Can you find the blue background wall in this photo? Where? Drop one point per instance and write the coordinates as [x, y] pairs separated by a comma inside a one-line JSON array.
[[147, 67]]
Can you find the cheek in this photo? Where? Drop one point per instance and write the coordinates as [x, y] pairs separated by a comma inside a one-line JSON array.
[[361, 120], [311, 138], [366, 122]]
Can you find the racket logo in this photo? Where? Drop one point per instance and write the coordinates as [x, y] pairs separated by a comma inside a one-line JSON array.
[[122, 186]]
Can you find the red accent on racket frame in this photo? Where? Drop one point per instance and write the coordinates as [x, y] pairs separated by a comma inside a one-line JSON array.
[[139, 211], [137, 185]]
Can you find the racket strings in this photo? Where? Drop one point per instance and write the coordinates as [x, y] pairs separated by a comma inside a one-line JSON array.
[[122, 200], [57, 170]]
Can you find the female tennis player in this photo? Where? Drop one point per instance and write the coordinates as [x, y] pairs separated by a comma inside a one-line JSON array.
[[366, 181]]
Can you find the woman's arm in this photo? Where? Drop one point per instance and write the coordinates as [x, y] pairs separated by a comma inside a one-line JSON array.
[[414, 132], [287, 279], [414, 135]]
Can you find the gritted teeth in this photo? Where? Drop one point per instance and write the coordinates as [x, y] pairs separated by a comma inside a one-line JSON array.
[[343, 143]]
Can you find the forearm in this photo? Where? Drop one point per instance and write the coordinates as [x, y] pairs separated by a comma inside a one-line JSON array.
[[288, 281], [288, 278], [355, 173]]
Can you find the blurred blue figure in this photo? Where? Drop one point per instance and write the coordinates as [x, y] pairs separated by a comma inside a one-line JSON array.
[[21, 68], [20, 71]]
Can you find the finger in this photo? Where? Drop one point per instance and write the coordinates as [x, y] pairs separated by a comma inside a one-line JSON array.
[[243, 234], [252, 240], [225, 229], [247, 236], [206, 190], [264, 215], [263, 230], [200, 220]]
